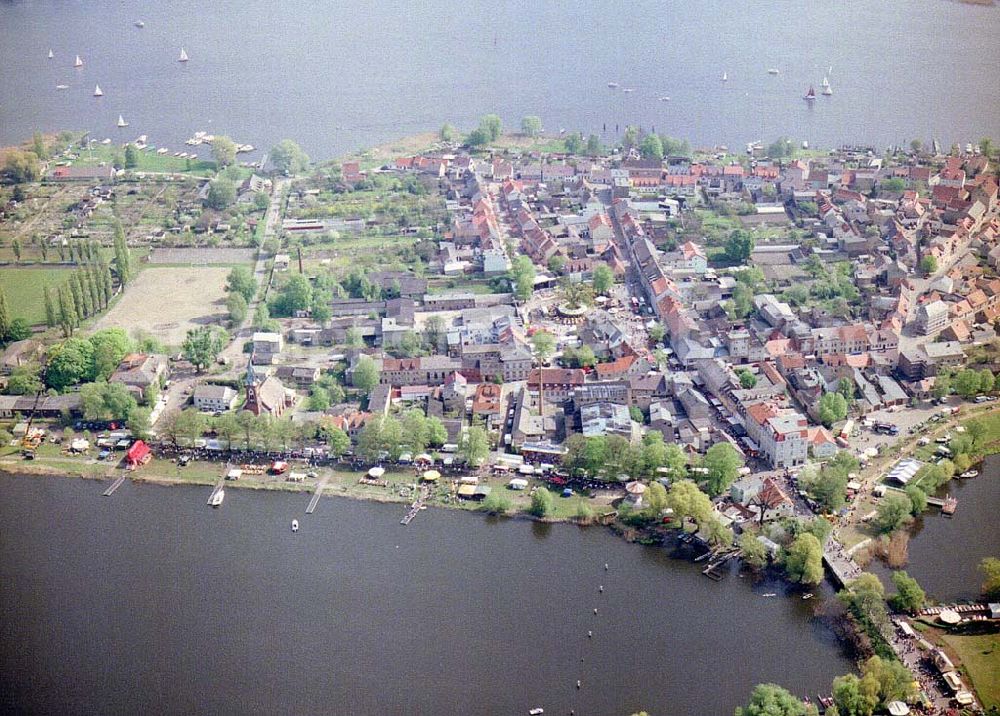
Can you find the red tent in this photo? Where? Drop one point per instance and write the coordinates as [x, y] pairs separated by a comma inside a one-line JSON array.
[[138, 454]]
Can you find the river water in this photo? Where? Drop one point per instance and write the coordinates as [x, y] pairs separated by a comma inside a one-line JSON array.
[[149, 601], [344, 75]]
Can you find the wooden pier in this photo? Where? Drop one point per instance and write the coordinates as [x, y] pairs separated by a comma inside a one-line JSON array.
[[415, 508], [218, 486], [719, 560], [316, 495], [114, 486]]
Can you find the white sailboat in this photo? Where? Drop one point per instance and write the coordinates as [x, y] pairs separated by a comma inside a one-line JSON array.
[[183, 57], [725, 77], [810, 95], [121, 121], [98, 92], [826, 81], [51, 55], [78, 62], [827, 89], [218, 497]]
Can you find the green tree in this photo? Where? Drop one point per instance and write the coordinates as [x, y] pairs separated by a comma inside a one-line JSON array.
[[236, 306], [556, 263], [202, 346], [111, 345], [189, 425], [492, 125], [295, 295], [893, 512], [5, 319], [594, 148], [337, 441], [918, 499], [688, 502], [657, 333], [448, 133], [893, 185], [829, 488], [477, 138], [221, 194], [106, 401], [365, 375], [967, 383], [475, 446], [131, 156], [70, 362], [23, 167], [990, 567], [986, 146], [986, 381], [909, 596], [630, 138], [804, 559], [942, 386], [773, 700], [123, 257], [223, 151], [739, 246], [832, 408], [288, 157], [138, 423], [780, 148], [929, 265], [651, 147], [543, 344], [574, 143], [497, 503], [542, 503], [531, 126], [24, 380], [67, 312], [240, 280], [38, 146], [522, 276], [603, 278], [853, 697], [723, 464], [754, 552], [319, 398], [747, 379]]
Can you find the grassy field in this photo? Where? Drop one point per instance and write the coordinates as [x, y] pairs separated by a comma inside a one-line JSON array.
[[165, 302], [150, 161], [980, 655], [24, 289]]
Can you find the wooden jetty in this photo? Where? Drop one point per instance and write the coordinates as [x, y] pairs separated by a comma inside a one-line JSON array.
[[415, 508], [713, 570], [114, 486], [316, 495], [218, 486]]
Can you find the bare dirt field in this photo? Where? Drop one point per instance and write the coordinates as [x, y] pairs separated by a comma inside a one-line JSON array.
[[167, 302]]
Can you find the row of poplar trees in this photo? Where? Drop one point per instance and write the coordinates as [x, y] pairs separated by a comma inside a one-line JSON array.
[[90, 287]]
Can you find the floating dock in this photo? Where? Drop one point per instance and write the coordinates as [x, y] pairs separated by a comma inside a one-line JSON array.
[[316, 495], [114, 486]]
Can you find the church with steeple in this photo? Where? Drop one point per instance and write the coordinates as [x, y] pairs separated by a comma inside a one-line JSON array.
[[265, 395]]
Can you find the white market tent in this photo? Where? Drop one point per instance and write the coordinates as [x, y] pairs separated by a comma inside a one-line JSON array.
[[376, 472]]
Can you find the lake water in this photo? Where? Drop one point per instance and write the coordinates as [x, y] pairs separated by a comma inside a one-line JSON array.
[[149, 601], [340, 76], [945, 552]]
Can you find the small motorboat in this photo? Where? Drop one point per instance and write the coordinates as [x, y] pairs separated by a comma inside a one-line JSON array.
[[970, 473], [51, 55], [62, 87], [628, 90], [807, 595], [295, 525], [773, 71], [139, 24], [217, 498], [613, 85], [664, 98], [537, 711], [769, 594]]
